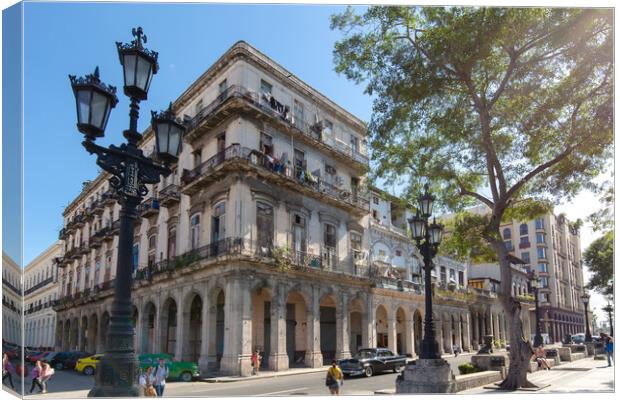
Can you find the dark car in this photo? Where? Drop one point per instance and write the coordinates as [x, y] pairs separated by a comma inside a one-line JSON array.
[[370, 361], [67, 359]]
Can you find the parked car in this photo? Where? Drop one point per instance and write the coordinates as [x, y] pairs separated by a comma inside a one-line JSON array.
[[182, 370], [31, 354], [88, 365], [66, 359], [579, 338], [370, 361], [40, 356]]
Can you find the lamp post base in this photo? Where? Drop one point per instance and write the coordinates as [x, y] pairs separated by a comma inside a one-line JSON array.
[[427, 376], [116, 376]]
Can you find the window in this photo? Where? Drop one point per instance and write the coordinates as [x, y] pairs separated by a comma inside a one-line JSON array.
[[197, 157], [356, 242], [328, 127], [300, 163], [266, 144], [461, 278], [198, 107], [329, 236], [540, 238], [299, 233], [525, 256], [452, 275], [542, 253], [399, 253], [298, 110], [508, 245], [443, 276], [375, 199], [264, 227], [523, 229], [355, 143], [524, 241], [135, 255], [97, 269], [218, 228], [152, 249], [86, 276], [507, 233], [265, 87], [375, 215], [540, 223], [330, 174], [194, 233], [222, 87], [172, 242], [544, 282]]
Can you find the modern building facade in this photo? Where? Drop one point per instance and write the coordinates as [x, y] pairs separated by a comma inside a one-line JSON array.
[[257, 241], [40, 290], [550, 245], [11, 301]]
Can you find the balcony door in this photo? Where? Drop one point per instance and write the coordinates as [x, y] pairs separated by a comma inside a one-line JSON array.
[[218, 228], [264, 228]]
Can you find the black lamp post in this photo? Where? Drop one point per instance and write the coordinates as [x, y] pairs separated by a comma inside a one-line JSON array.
[[609, 309], [428, 238], [586, 299], [131, 170], [535, 283]]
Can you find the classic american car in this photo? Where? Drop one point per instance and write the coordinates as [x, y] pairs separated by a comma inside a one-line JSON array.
[[370, 361]]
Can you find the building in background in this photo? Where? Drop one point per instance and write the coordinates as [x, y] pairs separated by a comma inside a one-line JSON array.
[[40, 290], [11, 302]]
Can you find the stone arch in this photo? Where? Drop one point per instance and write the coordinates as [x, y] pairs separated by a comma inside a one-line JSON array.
[[148, 317], [93, 331], [298, 349], [168, 326], [381, 325], [328, 308], [357, 317], [192, 326], [103, 331], [83, 333], [263, 320], [401, 330]]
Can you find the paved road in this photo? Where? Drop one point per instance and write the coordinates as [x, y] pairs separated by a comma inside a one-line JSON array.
[[70, 384]]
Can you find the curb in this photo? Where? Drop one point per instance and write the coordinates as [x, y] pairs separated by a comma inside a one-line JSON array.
[[228, 379]]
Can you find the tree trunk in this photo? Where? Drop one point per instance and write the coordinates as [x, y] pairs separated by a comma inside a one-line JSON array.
[[520, 348]]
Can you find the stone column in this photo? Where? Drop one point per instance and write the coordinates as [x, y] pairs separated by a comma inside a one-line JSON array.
[[448, 335], [182, 317], [80, 334], [369, 336], [343, 332], [139, 330], [439, 334], [457, 331], [278, 358], [475, 332], [205, 337], [467, 346], [157, 325], [314, 357], [496, 333], [238, 328], [391, 333], [409, 335]]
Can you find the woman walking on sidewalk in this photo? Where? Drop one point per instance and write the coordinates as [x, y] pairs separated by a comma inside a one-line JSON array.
[[7, 369], [36, 377], [46, 374], [334, 379]]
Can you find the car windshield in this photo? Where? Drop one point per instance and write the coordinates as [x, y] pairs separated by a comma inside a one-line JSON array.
[[365, 354]]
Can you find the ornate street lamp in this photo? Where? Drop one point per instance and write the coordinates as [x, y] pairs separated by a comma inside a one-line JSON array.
[[609, 309], [131, 170], [535, 284], [427, 238], [585, 298]]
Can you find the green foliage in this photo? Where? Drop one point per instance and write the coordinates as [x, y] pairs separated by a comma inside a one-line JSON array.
[[464, 238], [526, 298], [603, 220], [599, 257], [282, 258], [468, 368]]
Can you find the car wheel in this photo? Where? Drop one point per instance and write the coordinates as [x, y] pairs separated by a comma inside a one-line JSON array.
[[368, 371], [186, 376], [89, 371], [59, 366], [399, 368]]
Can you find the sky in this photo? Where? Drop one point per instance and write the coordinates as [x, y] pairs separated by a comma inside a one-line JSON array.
[[73, 38]]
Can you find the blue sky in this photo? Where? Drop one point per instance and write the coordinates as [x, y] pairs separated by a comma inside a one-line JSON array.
[[62, 39]]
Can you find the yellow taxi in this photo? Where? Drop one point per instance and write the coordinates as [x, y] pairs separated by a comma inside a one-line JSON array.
[[87, 365]]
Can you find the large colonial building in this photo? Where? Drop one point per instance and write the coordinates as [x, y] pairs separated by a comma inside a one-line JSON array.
[[40, 290], [257, 240], [11, 301], [551, 246]]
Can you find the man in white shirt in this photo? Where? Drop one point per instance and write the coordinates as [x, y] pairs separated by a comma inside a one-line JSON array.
[[160, 375]]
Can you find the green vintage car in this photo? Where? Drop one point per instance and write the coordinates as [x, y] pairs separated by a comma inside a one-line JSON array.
[[181, 370]]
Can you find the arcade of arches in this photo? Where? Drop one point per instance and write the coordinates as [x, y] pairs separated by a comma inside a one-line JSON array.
[[218, 322]]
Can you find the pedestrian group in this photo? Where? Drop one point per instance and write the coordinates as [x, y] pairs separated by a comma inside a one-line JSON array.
[[152, 382]]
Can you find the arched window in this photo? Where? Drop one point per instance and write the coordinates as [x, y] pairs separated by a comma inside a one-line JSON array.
[[523, 229], [507, 233]]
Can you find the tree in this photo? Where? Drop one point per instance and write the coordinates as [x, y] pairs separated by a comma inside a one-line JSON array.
[[505, 107], [599, 257], [603, 219]]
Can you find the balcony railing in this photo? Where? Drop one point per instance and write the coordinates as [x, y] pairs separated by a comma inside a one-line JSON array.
[[149, 207], [10, 286], [315, 133], [170, 195], [39, 285], [316, 185]]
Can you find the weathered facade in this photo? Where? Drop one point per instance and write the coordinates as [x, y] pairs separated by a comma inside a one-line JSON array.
[[258, 240], [11, 301]]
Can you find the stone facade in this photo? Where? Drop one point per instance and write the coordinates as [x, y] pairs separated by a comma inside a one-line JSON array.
[[258, 240], [11, 301], [40, 290]]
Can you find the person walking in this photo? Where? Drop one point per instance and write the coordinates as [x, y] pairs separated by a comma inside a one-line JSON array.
[[46, 374], [7, 370], [456, 350], [609, 349], [256, 360], [35, 374], [141, 383], [334, 379], [160, 375]]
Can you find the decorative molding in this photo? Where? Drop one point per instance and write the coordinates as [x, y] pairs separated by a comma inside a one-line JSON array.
[[329, 218]]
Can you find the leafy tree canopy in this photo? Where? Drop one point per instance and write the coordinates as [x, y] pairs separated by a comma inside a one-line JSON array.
[[491, 105], [599, 257], [603, 219]]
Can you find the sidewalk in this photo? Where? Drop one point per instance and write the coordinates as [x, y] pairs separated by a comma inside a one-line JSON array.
[[264, 375], [585, 375]]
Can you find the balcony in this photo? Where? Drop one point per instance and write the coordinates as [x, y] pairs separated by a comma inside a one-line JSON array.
[[63, 234], [97, 207], [525, 245], [149, 207], [39, 285], [71, 254], [109, 197], [116, 226], [238, 99], [79, 220], [170, 196], [237, 158]]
